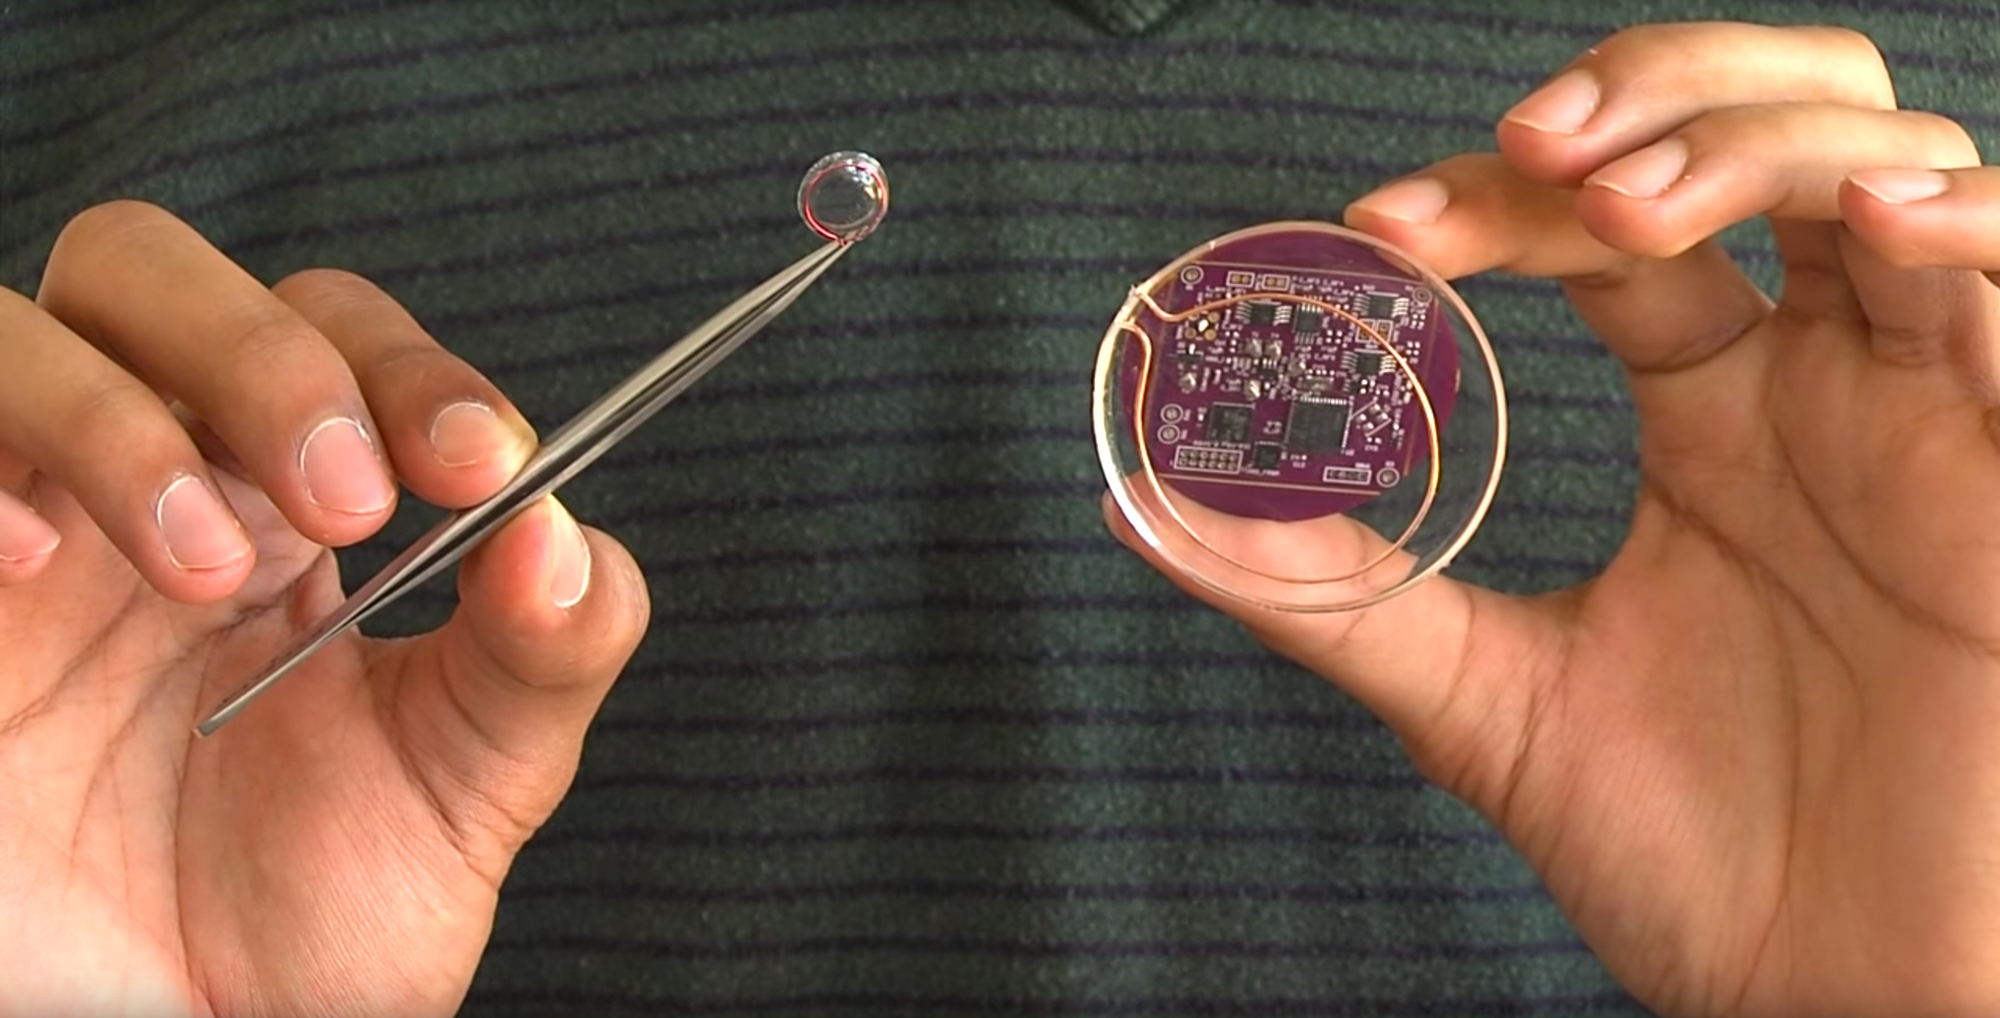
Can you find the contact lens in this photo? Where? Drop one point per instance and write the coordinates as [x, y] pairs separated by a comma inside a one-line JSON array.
[[1299, 416], [844, 196]]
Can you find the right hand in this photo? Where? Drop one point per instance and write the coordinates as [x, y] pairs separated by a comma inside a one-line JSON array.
[[179, 448], [1754, 760]]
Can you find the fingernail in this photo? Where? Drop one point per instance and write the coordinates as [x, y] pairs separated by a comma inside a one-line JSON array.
[[24, 535], [1646, 173], [199, 531], [1416, 200], [1562, 106], [569, 572], [470, 432], [1900, 187], [341, 470]]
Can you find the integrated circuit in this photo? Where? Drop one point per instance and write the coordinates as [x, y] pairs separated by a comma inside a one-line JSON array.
[[1267, 457], [1227, 423], [1316, 427]]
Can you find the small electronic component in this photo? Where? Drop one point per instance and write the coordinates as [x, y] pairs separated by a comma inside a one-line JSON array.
[[1228, 424], [1266, 457], [1317, 427]]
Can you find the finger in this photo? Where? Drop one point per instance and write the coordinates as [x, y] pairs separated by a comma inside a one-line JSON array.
[[453, 438], [155, 295], [1920, 239], [1642, 83], [1473, 214], [115, 447], [27, 541], [1786, 162], [1454, 670], [1921, 217], [1730, 165], [493, 706]]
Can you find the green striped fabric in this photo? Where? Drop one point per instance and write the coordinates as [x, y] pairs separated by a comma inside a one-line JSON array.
[[911, 735]]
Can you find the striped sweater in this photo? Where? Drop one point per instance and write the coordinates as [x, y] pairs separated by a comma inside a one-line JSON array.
[[911, 735]]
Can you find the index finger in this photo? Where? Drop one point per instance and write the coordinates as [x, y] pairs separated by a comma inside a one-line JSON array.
[[155, 295]]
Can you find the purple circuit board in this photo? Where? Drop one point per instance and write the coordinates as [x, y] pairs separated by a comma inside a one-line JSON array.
[[1273, 409]]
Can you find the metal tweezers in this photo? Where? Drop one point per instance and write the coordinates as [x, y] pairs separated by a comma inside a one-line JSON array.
[[563, 455]]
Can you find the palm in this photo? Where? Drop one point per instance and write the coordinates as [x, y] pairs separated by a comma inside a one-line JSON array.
[[210, 869]]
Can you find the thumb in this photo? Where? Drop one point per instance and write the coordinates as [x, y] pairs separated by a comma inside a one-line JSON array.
[[1458, 672], [493, 706]]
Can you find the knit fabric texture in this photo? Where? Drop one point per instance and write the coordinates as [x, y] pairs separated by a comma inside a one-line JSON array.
[[911, 735]]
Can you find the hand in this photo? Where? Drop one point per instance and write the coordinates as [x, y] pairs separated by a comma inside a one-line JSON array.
[[338, 848], [1756, 760]]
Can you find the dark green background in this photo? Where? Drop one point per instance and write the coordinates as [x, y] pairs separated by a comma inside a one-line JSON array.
[[911, 735]]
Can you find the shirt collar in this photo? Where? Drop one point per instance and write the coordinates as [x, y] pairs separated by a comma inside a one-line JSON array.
[[1128, 17]]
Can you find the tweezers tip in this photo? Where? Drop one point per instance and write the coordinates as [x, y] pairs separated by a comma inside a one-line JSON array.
[[213, 723], [233, 705]]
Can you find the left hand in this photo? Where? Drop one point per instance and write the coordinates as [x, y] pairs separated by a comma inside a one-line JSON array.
[[339, 848]]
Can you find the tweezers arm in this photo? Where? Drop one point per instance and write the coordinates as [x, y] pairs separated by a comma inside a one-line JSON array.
[[563, 455]]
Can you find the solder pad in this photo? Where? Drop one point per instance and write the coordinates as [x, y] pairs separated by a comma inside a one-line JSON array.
[[1269, 407]]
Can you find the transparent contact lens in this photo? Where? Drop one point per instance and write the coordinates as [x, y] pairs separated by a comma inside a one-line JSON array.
[[1300, 417], [844, 196]]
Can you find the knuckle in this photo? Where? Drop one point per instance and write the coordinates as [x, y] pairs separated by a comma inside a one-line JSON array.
[[113, 223], [323, 285], [120, 415], [1866, 57], [272, 345], [1949, 141], [1652, 42], [413, 365], [88, 241], [1612, 50], [1902, 345], [15, 305]]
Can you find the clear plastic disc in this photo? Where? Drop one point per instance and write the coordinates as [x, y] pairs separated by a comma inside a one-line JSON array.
[[844, 196], [1300, 417]]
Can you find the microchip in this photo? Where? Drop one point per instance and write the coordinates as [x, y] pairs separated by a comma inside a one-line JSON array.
[[1368, 362], [1308, 320], [1263, 312], [1380, 305], [1316, 428], [1267, 455], [1230, 423]]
